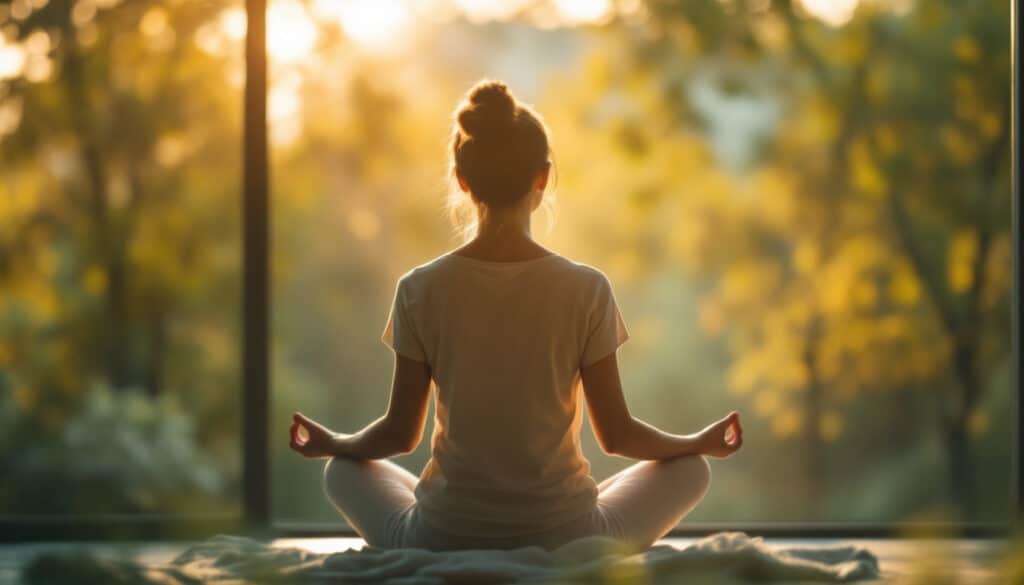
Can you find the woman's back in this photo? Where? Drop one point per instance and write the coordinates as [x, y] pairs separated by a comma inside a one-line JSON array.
[[511, 347], [505, 342]]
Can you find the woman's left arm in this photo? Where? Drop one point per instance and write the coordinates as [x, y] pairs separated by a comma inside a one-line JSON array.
[[397, 432]]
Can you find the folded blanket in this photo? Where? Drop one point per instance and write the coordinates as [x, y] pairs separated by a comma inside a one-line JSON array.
[[723, 558]]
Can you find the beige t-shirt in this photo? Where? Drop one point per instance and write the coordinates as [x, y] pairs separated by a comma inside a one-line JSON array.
[[505, 342]]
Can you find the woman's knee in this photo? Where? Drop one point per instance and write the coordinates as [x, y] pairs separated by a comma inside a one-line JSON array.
[[339, 474], [693, 470]]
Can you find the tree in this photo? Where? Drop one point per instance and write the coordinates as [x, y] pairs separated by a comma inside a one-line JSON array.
[[855, 242], [120, 243]]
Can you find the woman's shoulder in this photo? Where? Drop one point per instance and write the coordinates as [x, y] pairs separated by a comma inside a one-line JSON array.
[[585, 269], [558, 266], [587, 274]]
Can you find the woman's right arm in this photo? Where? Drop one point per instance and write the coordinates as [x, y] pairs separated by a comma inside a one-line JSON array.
[[619, 433]]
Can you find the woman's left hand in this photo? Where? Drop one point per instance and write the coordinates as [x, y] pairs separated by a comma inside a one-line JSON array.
[[722, 438], [310, 438]]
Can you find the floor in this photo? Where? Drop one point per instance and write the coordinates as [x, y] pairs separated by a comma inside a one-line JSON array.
[[949, 562]]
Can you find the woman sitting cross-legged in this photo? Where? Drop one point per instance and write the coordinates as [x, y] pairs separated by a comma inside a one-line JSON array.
[[510, 334]]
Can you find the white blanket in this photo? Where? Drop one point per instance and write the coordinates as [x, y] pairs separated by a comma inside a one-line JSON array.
[[723, 558]]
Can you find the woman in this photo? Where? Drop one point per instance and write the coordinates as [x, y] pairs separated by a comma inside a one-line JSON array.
[[510, 333]]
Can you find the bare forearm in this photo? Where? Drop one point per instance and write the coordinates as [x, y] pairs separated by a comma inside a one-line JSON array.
[[378, 440], [647, 442]]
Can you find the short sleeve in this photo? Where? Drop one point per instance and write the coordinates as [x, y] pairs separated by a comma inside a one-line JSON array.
[[606, 328], [400, 331]]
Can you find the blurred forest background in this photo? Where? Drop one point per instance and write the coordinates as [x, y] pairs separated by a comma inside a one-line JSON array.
[[803, 205]]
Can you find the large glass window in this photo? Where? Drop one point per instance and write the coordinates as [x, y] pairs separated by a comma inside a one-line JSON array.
[[803, 207], [119, 258]]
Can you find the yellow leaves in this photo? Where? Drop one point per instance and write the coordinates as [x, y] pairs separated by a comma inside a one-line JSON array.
[[970, 108], [833, 295], [864, 294], [963, 249], [865, 173], [597, 71], [771, 31], [690, 238], [746, 282], [966, 49], [774, 366], [18, 198], [94, 280], [767, 404], [904, 288], [877, 83], [806, 256], [991, 124], [743, 375], [894, 327], [821, 122], [43, 303], [846, 283], [776, 199], [789, 421], [959, 148], [852, 49], [170, 149], [788, 424]]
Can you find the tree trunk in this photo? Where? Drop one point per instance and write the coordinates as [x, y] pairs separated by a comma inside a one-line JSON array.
[[961, 478], [110, 244], [815, 470], [957, 424]]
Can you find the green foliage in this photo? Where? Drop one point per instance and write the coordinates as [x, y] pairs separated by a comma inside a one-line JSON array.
[[117, 453]]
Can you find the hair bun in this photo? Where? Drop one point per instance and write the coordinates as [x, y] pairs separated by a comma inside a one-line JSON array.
[[490, 110]]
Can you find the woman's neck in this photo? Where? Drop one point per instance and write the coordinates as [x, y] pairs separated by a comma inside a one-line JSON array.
[[503, 235]]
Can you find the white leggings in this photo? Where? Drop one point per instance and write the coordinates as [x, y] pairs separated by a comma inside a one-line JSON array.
[[637, 505]]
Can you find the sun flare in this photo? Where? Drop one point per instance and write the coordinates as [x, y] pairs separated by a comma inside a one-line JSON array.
[[375, 25], [291, 32]]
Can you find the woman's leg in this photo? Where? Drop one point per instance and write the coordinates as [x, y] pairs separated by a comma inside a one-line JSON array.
[[649, 498], [370, 495]]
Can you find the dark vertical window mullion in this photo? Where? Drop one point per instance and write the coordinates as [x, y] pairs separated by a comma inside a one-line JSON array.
[[1018, 287], [256, 279]]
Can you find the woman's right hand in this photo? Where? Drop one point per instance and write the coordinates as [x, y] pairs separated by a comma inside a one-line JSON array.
[[721, 438], [310, 438]]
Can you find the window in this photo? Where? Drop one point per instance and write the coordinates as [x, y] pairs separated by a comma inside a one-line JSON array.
[[804, 208], [119, 261], [804, 212]]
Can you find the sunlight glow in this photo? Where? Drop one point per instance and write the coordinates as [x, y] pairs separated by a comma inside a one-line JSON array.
[[364, 224], [291, 32], [284, 109], [485, 10], [832, 12], [233, 23], [583, 11], [375, 25], [12, 59]]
